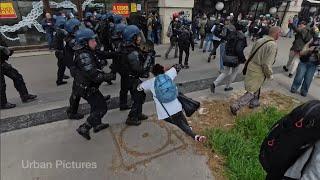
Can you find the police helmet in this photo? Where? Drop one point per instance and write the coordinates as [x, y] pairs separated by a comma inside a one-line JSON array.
[[117, 19], [60, 22], [129, 32], [84, 35], [71, 24], [98, 16], [88, 15], [120, 28]]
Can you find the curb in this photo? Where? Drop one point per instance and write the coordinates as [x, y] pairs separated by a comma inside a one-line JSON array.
[[58, 114]]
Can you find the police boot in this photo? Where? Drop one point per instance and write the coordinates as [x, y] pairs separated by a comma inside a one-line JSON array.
[[75, 116], [133, 121], [28, 98], [84, 131], [125, 107], [7, 106], [100, 127], [142, 117]]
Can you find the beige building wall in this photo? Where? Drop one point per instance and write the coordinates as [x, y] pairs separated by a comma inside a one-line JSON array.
[[167, 8], [294, 9]]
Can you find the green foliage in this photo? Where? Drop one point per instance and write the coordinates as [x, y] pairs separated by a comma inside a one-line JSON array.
[[241, 145]]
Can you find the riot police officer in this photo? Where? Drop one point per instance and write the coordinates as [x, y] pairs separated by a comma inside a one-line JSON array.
[[89, 21], [89, 78], [72, 25], [58, 43], [12, 73], [107, 31], [133, 67]]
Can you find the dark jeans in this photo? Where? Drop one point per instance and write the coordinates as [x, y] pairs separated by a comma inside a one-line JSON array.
[[305, 73], [12, 73], [180, 120], [181, 50]]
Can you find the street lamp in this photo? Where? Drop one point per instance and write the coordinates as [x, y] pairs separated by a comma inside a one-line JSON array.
[[219, 6], [273, 10]]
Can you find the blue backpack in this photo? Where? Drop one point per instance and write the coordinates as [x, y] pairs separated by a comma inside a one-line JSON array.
[[165, 89]]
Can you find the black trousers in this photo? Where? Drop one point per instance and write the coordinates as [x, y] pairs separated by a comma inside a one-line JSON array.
[[215, 47], [124, 89], [138, 98], [12, 73], [98, 108], [74, 101], [98, 105], [185, 50], [180, 120], [61, 70]]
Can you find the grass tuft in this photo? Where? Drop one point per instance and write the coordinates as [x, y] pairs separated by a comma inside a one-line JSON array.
[[240, 145]]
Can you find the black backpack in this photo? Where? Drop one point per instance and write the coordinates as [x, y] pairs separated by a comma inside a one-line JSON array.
[[218, 30], [289, 138]]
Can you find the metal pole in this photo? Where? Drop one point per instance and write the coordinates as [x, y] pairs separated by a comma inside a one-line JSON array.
[[255, 13], [285, 12]]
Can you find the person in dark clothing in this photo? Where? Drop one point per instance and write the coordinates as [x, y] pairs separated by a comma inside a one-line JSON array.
[[48, 26], [185, 40], [72, 25], [107, 32], [235, 44], [12, 73], [175, 26], [89, 21], [58, 44], [86, 84], [134, 66]]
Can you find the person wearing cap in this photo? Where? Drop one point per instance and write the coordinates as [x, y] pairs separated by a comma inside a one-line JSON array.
[[88, 64], [302, 36]]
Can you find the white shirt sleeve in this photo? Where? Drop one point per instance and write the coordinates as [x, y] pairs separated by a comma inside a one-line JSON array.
[[172, 73], [146, 85], [212, 30]]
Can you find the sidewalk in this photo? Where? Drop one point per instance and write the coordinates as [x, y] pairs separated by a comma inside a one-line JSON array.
[[152, 151]]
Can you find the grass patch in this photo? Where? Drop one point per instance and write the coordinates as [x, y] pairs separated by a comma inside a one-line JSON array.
[[240, 145]]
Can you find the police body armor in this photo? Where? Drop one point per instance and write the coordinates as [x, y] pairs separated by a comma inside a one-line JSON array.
[[58, 42]]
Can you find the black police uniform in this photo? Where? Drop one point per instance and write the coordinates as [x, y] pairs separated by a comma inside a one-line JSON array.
[[58, 44], [12, 73], [86, 85], [132, 69]]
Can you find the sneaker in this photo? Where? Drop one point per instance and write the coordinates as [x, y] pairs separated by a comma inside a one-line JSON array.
[[28, 98], [143, 117], [199, 138], [290, 75], [285, 68], [254, 105], [100, 127], [186, 66], [293, 91], [212, 88], [209, 59], [133, 122], [124, 108], [84, 131], [8, 106], [59, 83], [303, 94], [228, 89]]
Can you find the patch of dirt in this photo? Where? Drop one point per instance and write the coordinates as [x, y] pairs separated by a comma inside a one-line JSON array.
[[216, 114]]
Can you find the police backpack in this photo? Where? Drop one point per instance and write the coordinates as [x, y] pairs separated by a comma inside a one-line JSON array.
[[289, 138], [165, 89]]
